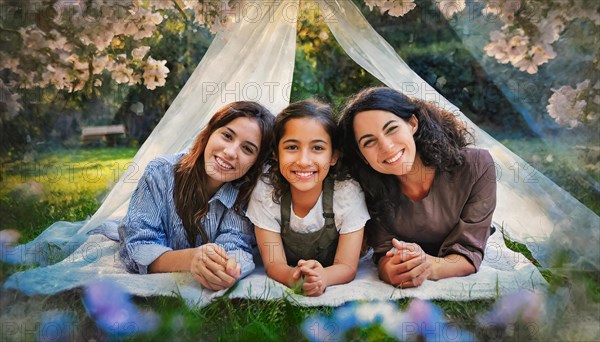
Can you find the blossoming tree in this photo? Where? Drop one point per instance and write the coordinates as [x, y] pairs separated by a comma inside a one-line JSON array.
[[70, 44], [525, 40]]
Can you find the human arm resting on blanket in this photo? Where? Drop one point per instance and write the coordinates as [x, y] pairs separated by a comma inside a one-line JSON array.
[[273, 256], [407, 265], [142, 235], [209, 264], [460, 254], [343, 270], [469, 236], [215, 265]]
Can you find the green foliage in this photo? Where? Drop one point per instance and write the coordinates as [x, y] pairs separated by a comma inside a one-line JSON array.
[[323, 70], [565, 165]]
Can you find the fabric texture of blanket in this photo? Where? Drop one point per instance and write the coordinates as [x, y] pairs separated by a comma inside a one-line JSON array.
[[502, 271]]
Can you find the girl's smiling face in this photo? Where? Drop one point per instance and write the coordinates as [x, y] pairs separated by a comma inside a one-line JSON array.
[[305, 153], [386, 141]]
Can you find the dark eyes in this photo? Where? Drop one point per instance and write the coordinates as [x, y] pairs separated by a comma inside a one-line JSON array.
[[371, 142], [368, 143], [229, 137], [295, 147]]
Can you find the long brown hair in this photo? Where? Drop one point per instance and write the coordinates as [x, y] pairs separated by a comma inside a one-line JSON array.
[[190, 193]]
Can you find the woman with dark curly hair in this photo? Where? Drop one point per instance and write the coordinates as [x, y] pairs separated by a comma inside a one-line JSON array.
[[430, 197]]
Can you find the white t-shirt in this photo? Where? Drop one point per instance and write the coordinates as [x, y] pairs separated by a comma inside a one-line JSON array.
[[349, 208]]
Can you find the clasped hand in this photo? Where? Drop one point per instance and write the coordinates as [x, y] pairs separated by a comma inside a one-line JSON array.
[[212, 267], [314, 277], [405, 265]]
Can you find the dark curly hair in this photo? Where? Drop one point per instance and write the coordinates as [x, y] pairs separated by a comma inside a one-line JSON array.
[[190, 194], [439, 139], [311, 109]]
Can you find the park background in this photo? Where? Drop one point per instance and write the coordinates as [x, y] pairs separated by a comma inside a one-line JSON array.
[[524, 71]]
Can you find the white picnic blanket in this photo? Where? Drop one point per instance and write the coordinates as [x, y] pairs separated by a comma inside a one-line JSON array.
[[502, 271]]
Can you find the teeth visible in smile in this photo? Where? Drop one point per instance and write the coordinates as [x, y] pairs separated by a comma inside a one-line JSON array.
[[223, 163], [395, 158], [304, 173]]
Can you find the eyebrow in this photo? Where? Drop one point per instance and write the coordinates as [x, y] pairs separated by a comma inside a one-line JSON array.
[[370, 135], [235, 134], [298, 141]]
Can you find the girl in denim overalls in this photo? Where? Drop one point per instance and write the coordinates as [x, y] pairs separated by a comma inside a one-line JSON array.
[[309, 228]]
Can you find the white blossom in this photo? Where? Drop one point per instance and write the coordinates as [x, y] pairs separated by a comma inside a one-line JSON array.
[[450, 7], [566, 105], [140, 52], [395, 8], [155, 73]]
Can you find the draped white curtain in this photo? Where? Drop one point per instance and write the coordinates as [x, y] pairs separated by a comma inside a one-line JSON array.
[[531, 208]]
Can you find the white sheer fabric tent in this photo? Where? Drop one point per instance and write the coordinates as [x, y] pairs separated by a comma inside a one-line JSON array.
[[254, 60]]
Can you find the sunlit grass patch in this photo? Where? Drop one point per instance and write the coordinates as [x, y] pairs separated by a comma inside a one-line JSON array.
[[63, 185]]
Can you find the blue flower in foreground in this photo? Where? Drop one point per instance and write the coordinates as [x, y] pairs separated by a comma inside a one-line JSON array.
[[422, 320], [525, 306], [352, 315], [57, 326], [113, 311]]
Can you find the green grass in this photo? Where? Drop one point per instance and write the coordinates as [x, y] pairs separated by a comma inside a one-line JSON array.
[[75, 194], [59, 186]]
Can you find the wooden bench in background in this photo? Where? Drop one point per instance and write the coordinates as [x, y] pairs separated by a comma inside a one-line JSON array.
[[107, 134]]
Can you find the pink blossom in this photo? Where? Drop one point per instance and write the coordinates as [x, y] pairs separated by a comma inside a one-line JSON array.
[[450, 7], [121, 73], [526, 64], [99, 64], [140, 52], [566, 105], [155, 73], [395, 8], [162, 4]]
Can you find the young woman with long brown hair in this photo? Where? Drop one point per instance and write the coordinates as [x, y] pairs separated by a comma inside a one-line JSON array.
[[186, 214]]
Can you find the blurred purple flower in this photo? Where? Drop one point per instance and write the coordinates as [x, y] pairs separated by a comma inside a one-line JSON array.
[[57, 326], [113, 311], [9, 236], [525, 306], [422, 321], [426, 321]]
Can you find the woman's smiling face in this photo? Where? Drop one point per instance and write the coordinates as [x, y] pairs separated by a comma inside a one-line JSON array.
[[386, 141], [231, 150]]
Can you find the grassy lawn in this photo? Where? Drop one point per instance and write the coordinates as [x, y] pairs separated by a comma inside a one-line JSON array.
[[69, 186]]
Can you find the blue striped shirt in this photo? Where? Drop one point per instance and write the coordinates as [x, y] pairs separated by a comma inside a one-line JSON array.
[[153, 227]]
